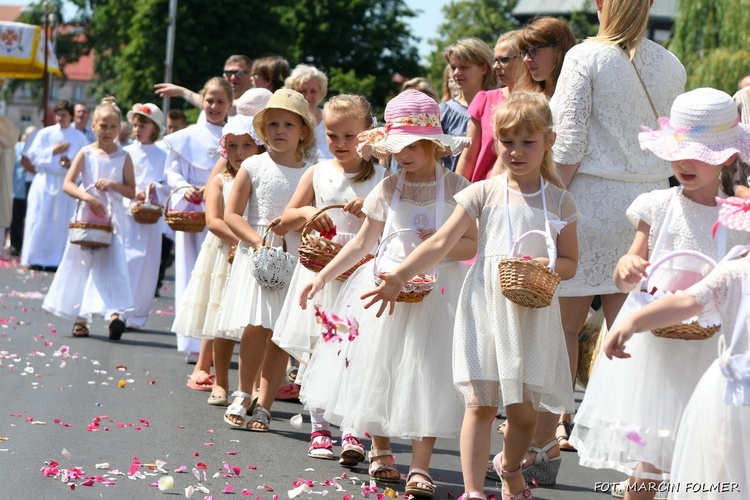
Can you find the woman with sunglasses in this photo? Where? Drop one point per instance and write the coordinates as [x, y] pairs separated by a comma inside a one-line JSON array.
[[476, 161], [610, 86]]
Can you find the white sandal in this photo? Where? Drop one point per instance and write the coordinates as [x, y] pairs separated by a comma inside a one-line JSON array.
[[237, 409], [261, 416]]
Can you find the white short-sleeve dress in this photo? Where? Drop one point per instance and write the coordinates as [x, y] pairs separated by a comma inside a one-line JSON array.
[[647, 393], [504, 353]]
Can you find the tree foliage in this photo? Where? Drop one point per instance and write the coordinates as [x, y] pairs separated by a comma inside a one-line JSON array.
[[711, 39], [485, 19]]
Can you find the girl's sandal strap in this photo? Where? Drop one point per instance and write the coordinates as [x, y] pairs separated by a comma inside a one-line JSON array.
[[260, 416], [473, 495], [375, 453]]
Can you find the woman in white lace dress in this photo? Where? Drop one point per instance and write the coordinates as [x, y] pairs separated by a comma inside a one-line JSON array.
[[610, 86]]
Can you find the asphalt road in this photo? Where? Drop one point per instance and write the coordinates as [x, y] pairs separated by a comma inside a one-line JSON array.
[[61, 401]]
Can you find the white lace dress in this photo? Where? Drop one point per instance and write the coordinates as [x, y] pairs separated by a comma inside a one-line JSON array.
[[647, 392], [88, 282], [394, 379], [198, 314], [599, 108], [296, 331], [713, 440], [245, 301], [504, 353]]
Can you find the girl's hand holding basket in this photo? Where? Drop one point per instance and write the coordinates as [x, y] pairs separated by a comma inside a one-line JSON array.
[[96, 206], [354, 207], [631, 269]]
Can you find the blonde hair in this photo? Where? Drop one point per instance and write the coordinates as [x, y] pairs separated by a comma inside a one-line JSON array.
[[528, 111], [475, 51], [221, 84], [107, 107], [421, 84], [447, 75], [623, 22], [355, 106], [303, 73], [543, 31]]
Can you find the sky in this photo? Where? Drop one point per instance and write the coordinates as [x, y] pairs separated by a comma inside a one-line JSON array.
[[424, 25]]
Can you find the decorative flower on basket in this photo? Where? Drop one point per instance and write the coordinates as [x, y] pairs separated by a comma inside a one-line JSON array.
[[414, 290], [315, 252], [528, 282], [89, 234], [184, 220], [146, 211], [694, 328], [272, 267]]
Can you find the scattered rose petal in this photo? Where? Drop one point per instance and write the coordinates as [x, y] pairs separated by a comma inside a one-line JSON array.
[[246, 492], [181, 468], [166, 483], [229, 489], [121, 383], [231, 453], [636, 438], [65, 453], [296, 421]]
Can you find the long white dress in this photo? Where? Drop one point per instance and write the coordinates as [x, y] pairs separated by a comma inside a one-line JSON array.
[[246, 302], [193, 152], [49, 209], [647, 393], [92, 283], [599, 107], [143, 241], [713, 441], [198, 314], [504, 353], [394, 378], [296, 331]]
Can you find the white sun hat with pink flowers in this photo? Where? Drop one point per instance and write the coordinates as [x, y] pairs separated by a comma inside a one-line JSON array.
[[150, 111]]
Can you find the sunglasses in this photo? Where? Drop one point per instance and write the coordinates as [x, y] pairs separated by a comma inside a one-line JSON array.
[[503, 61], [237, 73], [531, 51]]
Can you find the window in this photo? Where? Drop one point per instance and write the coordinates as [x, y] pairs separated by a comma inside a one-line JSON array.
[[78, 93]]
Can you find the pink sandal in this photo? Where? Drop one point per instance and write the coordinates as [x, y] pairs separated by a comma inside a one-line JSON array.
[[321, 445], [352, 451], [524, 494]]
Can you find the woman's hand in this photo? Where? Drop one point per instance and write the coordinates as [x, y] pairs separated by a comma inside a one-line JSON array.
[[385, 293], [104, 184], [170, 90], [614, 344], [354, 207], [96, 206], [631, 269], [310, 291]]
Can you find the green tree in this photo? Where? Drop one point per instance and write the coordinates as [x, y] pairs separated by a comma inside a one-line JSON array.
[[485, 19], [711, 39]]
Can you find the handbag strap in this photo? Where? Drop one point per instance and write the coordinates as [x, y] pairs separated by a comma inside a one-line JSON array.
[[643, 84]]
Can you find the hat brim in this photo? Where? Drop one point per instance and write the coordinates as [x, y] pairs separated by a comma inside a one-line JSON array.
[[449, 145], [131, 113], [258, 119], [675, 146]]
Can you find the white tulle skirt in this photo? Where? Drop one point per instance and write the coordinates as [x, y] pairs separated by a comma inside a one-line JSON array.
[[632, 407], [395, 378], [198, 313], [713, 445], [296, 330]]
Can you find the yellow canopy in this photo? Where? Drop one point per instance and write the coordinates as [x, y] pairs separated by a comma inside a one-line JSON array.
[[22, 52]]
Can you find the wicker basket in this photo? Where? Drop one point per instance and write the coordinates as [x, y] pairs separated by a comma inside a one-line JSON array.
[[186, 221], [682, 331], [527, 282], [414, 290], [144, 211], [315, 252], [89, 234]]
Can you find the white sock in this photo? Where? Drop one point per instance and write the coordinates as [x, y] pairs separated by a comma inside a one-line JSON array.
[[318, 422]]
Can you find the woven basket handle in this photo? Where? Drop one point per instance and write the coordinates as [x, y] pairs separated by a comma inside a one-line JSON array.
[[381, 245], [166, 205], [268, 230], [517, 246], [308, 225], [683, 253], [109, 205]]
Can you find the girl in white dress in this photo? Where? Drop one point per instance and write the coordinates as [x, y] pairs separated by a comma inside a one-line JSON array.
[[712, 451], [96, 282], [198, 313], [346, 180], [49, 211], [143, 241], [505, 354], [263, 187], [193, 152], [392, 379], [647, 393]]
